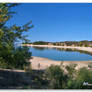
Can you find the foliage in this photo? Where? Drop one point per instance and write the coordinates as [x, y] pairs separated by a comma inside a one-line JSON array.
[[65, 43], [56, 76], [90, 65], [84, 75], [40, 43], [10, 56], [71, 70], [72, 79]]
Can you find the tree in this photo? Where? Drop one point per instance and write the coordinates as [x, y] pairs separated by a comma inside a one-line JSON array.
[[10, 56]]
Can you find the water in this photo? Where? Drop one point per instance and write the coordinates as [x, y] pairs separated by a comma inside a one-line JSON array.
[[61, 54]]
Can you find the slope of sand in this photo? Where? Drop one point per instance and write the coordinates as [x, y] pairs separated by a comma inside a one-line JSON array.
[[43, 63]]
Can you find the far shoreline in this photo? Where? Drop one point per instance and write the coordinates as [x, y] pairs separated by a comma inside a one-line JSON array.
[[88, 49]]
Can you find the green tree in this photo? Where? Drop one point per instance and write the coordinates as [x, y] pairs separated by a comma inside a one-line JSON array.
[[10, 56]]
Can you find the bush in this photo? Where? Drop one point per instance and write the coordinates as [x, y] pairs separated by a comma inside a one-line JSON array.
[[83, 75], [56, 76], [16, 58], [90, 65], [71, 70]]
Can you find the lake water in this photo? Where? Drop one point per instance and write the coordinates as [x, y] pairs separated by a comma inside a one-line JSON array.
[[61, 54]]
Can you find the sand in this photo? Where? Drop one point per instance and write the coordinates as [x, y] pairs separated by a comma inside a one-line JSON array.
[[88, 49], [39, 63]]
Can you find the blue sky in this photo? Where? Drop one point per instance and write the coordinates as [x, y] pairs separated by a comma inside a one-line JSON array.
[[55, 21]]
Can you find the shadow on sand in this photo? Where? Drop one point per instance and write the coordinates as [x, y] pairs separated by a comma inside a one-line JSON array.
[[16, 80]]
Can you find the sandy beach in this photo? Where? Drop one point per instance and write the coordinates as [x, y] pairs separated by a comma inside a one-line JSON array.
[[43, 63]]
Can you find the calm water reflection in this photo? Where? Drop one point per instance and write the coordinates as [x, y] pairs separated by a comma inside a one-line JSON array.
[[61, 54]]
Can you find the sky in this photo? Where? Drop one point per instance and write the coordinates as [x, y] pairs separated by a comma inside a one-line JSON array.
[[55, 21]]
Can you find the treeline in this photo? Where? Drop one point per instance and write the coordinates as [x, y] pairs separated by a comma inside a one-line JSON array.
[[84, 43], [40, 43]]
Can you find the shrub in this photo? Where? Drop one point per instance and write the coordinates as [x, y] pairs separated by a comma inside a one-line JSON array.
[[90, 65], [56, 76], [83, 75], [71, 70]]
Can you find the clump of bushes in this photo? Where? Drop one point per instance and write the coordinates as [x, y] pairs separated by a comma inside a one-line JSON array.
[[56, 76], [72, 79]]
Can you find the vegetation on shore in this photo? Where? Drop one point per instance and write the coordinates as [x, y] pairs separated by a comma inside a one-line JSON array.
[[71, 79], [84, 43], [54, 77]]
